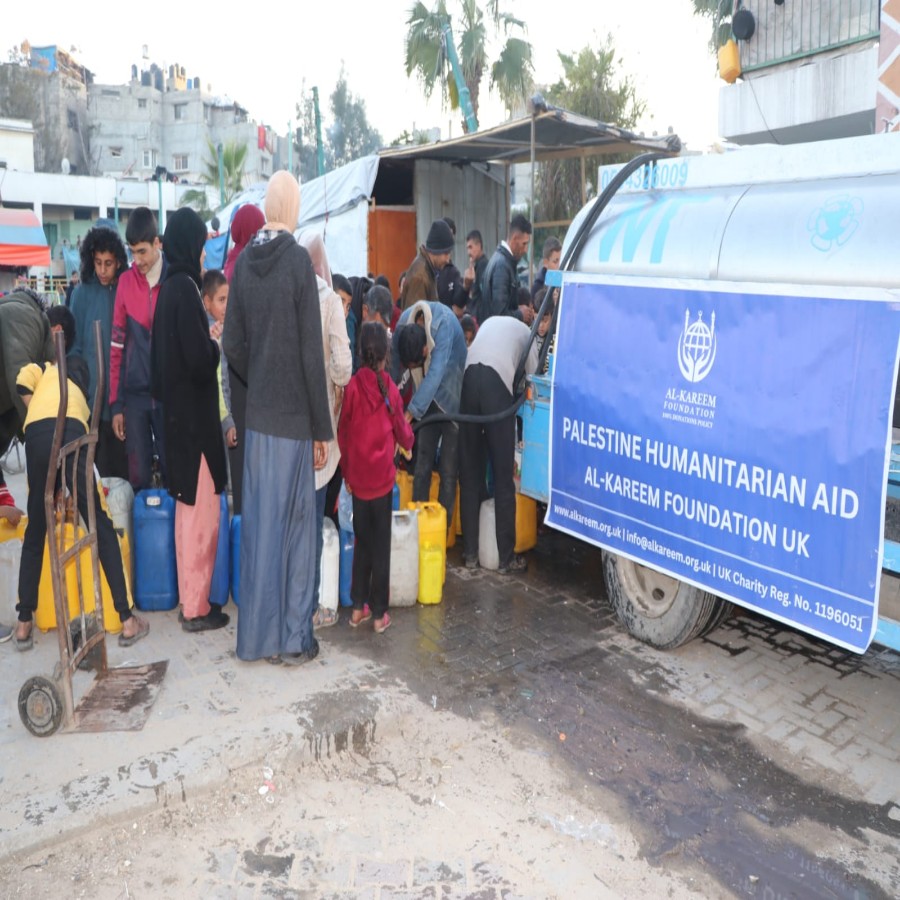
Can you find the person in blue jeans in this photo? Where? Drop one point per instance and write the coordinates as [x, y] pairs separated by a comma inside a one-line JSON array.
[[429, 346]]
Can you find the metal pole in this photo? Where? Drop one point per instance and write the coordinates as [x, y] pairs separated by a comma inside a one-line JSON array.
[[533, 217], [162, 212], [320, 149]]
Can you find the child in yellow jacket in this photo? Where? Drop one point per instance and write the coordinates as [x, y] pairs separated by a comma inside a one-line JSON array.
[[38, 386]]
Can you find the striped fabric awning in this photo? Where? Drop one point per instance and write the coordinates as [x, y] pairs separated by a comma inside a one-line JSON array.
[[22, 240]]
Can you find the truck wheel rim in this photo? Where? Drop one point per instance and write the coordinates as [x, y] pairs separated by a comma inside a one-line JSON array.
[[651, 591]]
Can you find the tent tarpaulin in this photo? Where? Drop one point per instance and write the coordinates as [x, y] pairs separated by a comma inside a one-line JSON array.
[[22, 240]]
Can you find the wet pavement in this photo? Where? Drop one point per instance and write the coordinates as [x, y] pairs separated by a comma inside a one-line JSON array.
[[765, 760], [545, 653]]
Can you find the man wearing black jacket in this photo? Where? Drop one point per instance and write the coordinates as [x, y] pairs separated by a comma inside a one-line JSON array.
[[450, 282], [500, 286]]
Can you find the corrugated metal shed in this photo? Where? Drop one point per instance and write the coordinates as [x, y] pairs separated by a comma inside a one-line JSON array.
[[558, 134], [474, 196]]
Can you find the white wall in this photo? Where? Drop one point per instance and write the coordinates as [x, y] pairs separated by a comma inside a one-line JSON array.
[[17, 144], [824, 97]]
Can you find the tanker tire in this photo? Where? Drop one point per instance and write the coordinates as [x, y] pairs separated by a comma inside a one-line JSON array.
[[724, 610], [655, 608]]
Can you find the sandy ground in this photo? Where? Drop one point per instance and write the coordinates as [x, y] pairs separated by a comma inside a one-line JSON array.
[[434, 803]]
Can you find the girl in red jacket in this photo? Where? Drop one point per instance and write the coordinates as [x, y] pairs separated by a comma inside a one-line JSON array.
[[372, 424]]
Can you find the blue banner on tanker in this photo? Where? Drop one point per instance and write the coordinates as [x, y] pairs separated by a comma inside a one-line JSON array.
[[734, 438]]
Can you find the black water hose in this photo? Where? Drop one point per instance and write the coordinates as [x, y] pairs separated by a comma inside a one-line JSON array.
[[566, 265]]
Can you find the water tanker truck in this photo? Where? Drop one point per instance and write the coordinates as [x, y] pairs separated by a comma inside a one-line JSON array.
[[717, 414]]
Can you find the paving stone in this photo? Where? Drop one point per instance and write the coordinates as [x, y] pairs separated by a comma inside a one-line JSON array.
[[427, 871], [393, 873]]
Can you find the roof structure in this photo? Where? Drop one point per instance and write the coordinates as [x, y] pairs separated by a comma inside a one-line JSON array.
[[22, 240], [558, 134]]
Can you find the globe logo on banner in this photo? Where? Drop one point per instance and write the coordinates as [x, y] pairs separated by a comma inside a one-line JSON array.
[[697, 347]]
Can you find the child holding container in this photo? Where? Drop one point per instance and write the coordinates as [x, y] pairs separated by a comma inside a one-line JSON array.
[[371, 426]]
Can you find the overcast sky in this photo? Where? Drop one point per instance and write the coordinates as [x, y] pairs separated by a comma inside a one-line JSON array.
[[261, 57]]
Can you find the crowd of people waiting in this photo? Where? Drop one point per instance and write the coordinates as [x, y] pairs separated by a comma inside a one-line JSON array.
[[287, 380]]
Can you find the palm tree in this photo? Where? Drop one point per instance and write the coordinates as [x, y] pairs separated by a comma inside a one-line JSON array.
[[234, 156], [719, 12], [427, 52]]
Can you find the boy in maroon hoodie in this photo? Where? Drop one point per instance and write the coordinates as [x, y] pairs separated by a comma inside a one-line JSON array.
[[136, 417], [372, 424]]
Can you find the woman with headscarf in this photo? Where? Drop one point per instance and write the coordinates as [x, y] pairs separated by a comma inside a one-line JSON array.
[[273, 339], [338, 369], [246, 222], [184, 362]]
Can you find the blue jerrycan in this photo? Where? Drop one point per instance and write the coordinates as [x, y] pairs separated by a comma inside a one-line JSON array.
[[220, 584], [155, 575], [346, 566]]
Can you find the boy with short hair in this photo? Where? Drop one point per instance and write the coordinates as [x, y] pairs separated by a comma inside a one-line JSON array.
[[214, 291], [136, 417], [103, 260]]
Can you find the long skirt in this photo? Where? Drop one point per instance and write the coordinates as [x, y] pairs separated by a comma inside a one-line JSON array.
[[278, 547]]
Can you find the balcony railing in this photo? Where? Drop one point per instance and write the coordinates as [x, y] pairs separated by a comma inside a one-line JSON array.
[[799, 28]]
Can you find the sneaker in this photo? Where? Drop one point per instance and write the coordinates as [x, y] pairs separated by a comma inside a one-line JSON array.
[[210, 622], [298, 659], [6, 632], [471, 562], [515, 566], [381, 625]]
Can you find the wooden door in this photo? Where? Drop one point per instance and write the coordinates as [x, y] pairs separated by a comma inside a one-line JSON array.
[[392, 243]]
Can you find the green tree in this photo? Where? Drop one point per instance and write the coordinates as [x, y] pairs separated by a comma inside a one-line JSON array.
[[350, 136], [590, 86], [476, 25], [306, 130], [234, 157], [719, 14]]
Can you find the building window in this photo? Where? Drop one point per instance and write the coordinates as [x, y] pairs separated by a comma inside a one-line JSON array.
[[264, 165], [72, 117], [142, 103], [180, 109], [148, 159], [207, 114], [109, 92], [180, 162], [115, 152]]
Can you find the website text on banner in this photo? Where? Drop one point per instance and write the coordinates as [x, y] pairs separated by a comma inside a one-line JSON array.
[[734, 438]]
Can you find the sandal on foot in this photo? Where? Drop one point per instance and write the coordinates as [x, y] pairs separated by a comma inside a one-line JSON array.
[[358, 616], [381, 625], [25, 643], [143, 630], [323, 617]]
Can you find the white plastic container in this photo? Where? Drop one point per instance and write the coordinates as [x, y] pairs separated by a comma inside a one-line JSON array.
[[404, 558], [120, 503], [488, 555], [10, 556], [331, 560]]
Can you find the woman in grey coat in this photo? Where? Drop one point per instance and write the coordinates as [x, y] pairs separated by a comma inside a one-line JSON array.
[[273, 340]]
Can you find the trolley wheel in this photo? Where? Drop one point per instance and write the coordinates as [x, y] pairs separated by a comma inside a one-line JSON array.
[[40, 706]]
